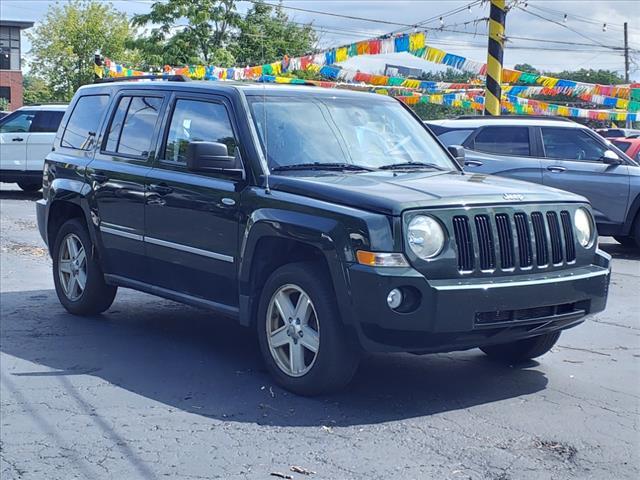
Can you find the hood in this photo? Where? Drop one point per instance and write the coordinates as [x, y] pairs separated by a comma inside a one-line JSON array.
[[390, 194]]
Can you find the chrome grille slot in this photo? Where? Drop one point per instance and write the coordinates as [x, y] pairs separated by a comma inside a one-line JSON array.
[[554, 234], [464, 243], [485, 242], [540, 236], [524, 240], [569, 240], [505, 240]]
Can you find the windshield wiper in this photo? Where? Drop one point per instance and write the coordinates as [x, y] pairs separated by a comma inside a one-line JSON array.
[[322, 166], [405, 165]]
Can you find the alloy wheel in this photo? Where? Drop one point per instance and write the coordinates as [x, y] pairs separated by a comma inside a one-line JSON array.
[[72, 267]]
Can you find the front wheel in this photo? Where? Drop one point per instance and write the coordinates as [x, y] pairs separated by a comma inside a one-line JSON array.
[[522, 350], [77, 275], [304, 344]]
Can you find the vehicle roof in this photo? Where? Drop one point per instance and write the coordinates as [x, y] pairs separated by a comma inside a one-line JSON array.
[[59, 107], [248, 88], [631, 140], [504, 121]]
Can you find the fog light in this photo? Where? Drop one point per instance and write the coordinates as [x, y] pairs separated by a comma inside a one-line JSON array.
[[394, 299]]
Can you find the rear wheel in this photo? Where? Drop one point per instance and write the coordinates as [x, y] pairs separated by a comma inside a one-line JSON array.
[[522, 350], [304, 344], [77, 275], [30, 186]]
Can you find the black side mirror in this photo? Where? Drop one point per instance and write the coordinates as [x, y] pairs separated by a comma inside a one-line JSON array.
[[611, 158], [212, 157], [458, 153]]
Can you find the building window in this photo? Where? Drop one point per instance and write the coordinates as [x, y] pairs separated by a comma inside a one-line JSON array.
[[9, 48], [5, 92]]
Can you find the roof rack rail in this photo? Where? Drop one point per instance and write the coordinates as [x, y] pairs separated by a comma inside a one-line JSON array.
[[168, 78], [513, 117]]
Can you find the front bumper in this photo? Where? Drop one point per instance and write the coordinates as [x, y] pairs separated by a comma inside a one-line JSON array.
[[41, 215], [468, 313]]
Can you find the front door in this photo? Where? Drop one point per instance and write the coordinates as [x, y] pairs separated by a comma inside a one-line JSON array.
[[14, 133], [118, 176], [573, 162], [191, 227]]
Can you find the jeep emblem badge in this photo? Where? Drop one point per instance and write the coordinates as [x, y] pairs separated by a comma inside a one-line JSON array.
[[514, 197]]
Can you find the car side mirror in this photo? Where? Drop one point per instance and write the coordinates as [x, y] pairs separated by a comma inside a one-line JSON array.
[[212, 157], [611, 158], [458, 153]]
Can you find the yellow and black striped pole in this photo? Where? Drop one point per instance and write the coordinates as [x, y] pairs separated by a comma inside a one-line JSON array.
[[493, 91]]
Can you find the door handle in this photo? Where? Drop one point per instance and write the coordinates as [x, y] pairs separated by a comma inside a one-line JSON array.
[[17, 139], [472, 163], [556, 169], [161, 189], [99, 177]]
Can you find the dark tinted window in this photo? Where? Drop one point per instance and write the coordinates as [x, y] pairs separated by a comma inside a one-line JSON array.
[[504, 140], [193, 120], [82, 126], [46, 122], [132, 127], [454, 137], [622, 145], [571, 144], [612, 133]]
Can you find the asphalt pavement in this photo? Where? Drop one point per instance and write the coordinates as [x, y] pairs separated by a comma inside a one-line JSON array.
[[156, 390]]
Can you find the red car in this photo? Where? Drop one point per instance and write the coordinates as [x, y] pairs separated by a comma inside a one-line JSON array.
[[630, 146]]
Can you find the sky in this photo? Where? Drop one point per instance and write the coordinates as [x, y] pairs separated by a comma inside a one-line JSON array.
[[542, 21]]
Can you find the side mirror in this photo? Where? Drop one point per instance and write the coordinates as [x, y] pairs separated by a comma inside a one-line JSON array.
[[611, 158], [458, 153], [211, 157]]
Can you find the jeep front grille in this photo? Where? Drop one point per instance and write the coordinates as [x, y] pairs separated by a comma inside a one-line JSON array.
[[509, 241]]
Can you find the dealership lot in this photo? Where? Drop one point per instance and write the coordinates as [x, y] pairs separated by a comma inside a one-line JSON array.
[[154, 389]]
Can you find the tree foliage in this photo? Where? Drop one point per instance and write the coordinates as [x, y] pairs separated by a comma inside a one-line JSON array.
[[188, 31], [64, 43], [36, 90], [266, 34]]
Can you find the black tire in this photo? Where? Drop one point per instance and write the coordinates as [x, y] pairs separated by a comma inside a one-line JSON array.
[[97, 296], [338, 354], [30, 187], [628, 242], [522, 350]]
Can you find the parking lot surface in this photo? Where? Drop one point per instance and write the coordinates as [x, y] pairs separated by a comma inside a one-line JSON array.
[[154, 389]]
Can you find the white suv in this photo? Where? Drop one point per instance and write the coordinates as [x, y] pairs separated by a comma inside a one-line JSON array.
[[26, 136]]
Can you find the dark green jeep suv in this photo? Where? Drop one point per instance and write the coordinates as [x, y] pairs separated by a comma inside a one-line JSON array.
[[331, 222]]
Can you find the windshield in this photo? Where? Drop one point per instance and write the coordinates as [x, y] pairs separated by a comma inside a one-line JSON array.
[[327, 130]]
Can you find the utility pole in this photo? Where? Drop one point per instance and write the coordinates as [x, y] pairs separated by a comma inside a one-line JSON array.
[[493, 91], [626, 54]]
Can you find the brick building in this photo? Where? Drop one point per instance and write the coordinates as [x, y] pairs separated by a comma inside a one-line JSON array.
[[10, 62]]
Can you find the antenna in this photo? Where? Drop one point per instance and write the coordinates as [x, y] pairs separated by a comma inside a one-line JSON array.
[[264, 120]]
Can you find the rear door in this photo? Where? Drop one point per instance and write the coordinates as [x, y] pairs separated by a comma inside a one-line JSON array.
[[117, 176], [572, 162], [14, 134], [504, 150], [191, 227], [41, 135]]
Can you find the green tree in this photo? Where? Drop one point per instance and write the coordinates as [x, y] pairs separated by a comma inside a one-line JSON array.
[[36, 90], [64, 43], [266, 34], [188, 31], [4, 104], [603, 77], [525, 67]]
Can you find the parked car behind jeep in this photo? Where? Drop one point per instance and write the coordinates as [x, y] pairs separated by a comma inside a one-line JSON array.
[[331, 222], [558, 153]]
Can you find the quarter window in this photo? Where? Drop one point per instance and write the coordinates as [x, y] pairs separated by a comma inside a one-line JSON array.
[[81, 129], [133, 124], [571, 144], [195, 120], [504, 141]]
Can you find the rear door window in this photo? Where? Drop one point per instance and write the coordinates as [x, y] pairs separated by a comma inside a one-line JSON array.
[[80, 131], [133, 125], [503, 141], [571, 144], [46, 121]]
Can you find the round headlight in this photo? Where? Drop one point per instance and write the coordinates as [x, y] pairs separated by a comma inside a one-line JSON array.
[[584, 227], [425, 236]]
